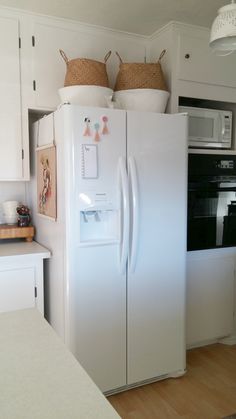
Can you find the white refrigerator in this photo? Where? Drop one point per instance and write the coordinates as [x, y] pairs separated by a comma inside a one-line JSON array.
[[115, 285]]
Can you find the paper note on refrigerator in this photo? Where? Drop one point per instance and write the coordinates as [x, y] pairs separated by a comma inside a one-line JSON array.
[[89, 161]]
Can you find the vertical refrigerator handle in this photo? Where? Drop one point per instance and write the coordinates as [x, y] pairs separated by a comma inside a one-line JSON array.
[[124, 192], [135, 215]]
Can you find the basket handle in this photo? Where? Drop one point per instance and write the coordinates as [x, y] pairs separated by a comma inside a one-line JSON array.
[[162, 54], [107, 56], [160, 57], [118, 55], [64, 56]]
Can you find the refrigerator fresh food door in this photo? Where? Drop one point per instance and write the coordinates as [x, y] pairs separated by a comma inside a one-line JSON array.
[[97, 243], [157, 164]]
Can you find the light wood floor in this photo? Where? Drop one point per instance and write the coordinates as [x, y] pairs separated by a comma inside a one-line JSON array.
[[207, 391]]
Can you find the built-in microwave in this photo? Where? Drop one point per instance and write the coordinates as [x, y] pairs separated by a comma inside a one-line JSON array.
[[208, 128]]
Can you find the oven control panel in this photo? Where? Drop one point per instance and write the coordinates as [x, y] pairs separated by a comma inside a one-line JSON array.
[[225, 164]]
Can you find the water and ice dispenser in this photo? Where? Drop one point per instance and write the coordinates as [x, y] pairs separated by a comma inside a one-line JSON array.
[[99, 221], [99, 213]]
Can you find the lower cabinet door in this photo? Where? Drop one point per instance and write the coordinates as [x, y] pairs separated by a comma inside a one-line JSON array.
[[210, 297], [17, 289]]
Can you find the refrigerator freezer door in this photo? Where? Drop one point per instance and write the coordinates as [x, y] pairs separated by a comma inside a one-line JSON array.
[[156, 283], [96, 290]]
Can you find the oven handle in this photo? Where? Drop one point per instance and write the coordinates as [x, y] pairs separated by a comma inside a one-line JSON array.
[[212, 190]]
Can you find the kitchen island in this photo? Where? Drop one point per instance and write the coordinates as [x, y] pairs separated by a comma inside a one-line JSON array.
[[39, 377]]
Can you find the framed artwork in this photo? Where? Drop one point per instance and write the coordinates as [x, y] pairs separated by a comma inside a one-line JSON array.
[[46, 181]]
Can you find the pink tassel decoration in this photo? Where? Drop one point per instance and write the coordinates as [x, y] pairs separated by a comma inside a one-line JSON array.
[[96, 136], [105, 129], [87, 132]]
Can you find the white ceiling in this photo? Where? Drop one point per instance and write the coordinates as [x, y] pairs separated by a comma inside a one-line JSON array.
[[138, 16]]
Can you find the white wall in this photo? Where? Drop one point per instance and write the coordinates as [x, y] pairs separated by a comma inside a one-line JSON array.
[[11, 191]]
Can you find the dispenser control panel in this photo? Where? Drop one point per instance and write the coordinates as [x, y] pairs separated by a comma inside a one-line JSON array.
[[95, 200]]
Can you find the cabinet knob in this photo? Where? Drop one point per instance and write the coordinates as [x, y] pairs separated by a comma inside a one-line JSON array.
[[187, 56]]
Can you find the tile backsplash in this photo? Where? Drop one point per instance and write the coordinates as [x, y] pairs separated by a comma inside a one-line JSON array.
[[10, 191]]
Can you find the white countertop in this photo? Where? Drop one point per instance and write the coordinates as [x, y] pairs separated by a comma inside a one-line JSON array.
[[39, 377], [22, 248]]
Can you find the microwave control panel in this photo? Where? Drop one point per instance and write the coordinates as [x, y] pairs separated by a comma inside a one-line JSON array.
[[227, 127]]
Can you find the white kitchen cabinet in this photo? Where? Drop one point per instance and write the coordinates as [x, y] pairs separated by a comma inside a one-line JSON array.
[[210, 295], [197, 62], [17, 288], [78, 41], [11, 150], [21, 276], [191, 68]]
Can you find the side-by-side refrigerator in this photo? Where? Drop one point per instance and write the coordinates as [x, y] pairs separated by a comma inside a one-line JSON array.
[[115, 284]]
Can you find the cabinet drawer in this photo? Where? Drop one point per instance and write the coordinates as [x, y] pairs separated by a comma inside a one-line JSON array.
[[197, 62]]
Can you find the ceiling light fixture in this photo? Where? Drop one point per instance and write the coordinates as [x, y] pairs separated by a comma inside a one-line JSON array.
[[223, 31]]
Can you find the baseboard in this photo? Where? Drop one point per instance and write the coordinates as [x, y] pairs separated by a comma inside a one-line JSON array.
[[177, 374], [201, 343], [230, 340]]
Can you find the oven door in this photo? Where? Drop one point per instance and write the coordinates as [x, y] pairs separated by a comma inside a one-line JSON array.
[[211, 214]]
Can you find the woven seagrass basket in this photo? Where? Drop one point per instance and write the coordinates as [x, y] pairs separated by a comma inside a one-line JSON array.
[[140, 75], [83, 71]]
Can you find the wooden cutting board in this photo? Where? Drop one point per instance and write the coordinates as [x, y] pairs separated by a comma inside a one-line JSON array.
[[15, 232]]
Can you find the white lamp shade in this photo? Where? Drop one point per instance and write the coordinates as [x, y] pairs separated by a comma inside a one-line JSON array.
[[223, 31]]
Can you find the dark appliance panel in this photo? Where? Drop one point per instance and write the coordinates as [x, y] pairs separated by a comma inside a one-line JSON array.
[[211, 201]]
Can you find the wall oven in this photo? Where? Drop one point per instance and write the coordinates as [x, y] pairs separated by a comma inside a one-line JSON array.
[[211, 201]]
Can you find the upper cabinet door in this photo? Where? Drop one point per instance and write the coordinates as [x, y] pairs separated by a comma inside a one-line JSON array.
[[197, 62], [10, 104], [76, 41]]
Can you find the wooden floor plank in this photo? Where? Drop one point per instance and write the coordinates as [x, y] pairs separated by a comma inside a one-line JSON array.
[[206, 391]]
